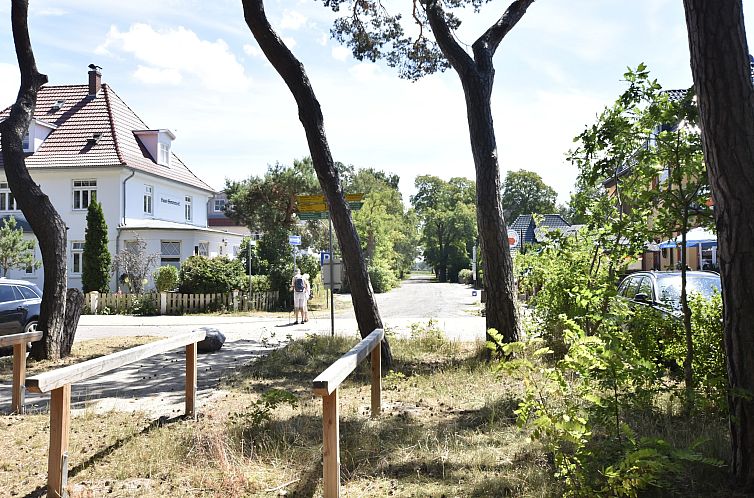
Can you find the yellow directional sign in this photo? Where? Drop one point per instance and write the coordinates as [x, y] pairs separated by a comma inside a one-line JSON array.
[[317, 203], [312, 208]]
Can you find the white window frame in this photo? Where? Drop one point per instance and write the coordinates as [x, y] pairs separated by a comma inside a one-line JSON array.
[[203, 249], [77, 256], [188, 208], [220, 205], [149, 200], [163, 153], [26, 140], [7, 200], [84, 191], [171, 257]]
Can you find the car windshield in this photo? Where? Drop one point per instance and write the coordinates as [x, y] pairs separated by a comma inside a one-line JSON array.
[[670, 288]]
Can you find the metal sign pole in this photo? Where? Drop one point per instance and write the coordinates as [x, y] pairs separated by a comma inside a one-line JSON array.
[[332, 283]]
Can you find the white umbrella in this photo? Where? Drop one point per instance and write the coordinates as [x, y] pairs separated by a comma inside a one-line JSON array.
[[694, 237]]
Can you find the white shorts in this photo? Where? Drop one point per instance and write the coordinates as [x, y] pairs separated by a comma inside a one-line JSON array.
[[299, 300]]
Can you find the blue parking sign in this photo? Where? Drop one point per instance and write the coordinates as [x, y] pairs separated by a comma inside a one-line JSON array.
[[324, 258]]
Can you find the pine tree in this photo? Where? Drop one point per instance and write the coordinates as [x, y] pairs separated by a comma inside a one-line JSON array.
[[15, 252], [95, 274]]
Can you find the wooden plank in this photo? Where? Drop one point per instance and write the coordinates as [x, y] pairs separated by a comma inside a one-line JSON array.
[[60, 426], [23, 338], [330, 446], [19, 374], [376, 381], [48, 381], [330, 379], [191, 380]]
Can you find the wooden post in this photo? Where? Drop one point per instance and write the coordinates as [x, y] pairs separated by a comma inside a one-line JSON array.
[[331, 446], [191, 380], [376, 380], [19, 373], [60, 426]]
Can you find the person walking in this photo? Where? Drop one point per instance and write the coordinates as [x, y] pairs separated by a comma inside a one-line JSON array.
[[307, 295], [298, 286]]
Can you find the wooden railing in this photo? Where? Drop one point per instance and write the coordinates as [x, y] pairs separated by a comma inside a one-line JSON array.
[[326, 385], [59, 381], [19, 341]]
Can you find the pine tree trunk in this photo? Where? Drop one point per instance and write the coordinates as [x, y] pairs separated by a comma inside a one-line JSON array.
[[722, 80], [74, 303], [310, 115], [46, 223]]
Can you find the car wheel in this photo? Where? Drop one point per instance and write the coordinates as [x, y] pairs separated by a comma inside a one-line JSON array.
[[31, 326]]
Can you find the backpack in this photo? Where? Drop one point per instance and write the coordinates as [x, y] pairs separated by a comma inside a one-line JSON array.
[[298, 284]]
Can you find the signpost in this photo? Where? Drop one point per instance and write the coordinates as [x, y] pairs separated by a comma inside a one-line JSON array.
[[314, 207]]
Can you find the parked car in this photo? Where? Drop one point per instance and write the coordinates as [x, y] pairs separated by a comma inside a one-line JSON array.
[[19, 306], [662, 290]]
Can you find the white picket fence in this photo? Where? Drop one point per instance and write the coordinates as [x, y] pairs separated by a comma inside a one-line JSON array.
[[173, 303]]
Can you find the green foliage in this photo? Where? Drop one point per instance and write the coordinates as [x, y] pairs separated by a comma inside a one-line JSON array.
[[465, 276], [447, 214], [382, 277], [259, 283], [95, 272], [145, 305], [15, 252], [166, 278], [251, 422], [201, 275], [524, 192]]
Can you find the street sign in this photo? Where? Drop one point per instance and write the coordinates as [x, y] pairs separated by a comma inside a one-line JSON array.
[[313, 216], [513, 238], [324, 258], [317, 204], [312, 208], [337, 271], [294, 240]]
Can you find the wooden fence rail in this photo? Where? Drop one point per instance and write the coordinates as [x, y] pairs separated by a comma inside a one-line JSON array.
[[19, 341], [326, 385], [173, 303], [59, 381]]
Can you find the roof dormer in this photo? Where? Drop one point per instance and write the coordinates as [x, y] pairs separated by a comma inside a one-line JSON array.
[[158, 143], [38, 132]]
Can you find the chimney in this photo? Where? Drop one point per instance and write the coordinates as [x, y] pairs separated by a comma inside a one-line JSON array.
[[95, 80]]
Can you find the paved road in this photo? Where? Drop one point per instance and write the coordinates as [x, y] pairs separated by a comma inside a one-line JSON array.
[[416, 300]]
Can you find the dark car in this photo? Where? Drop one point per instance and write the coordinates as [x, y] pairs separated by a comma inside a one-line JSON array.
[[19, 306], [662, 290]]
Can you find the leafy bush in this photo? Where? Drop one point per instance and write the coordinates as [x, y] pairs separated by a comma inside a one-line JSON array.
[[465, 276], [144, 305], [259, 283], [201, 275], [166, 278], [382, 277]]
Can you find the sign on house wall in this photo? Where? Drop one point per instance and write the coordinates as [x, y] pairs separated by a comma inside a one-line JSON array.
[[169, 205]]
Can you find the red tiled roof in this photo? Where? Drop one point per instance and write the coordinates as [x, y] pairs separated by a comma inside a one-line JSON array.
[[79, 118]]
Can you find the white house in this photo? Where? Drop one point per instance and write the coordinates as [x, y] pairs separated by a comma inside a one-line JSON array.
[[85, 143]]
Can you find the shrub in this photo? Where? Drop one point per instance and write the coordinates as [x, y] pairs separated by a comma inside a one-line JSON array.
[[144, 305], [95, 272], [465, 276], [166, 278], [201, 275], [383, 279], [259, 283]]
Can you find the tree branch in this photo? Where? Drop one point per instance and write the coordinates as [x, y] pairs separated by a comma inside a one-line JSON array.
[[486, 45], [456, 55]]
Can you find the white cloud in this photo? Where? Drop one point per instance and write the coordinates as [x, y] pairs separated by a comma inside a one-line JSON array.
[[365, 71], [292, 20], [180, 52], [10, 80], [324, 39], [340, 53], [289, 42], [49, 11], [252, 50], [158, 76]]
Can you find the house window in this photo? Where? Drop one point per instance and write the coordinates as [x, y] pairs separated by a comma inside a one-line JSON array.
[[148, 197], [163, 154], [203, 249], [187, 208], [77, 253], [84, 191], [7, 201], [27, 141], [220, 205], [663, 176], [170, 253]]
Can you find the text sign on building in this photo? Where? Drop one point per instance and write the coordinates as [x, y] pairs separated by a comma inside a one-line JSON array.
[[168, 205], [294, 240]]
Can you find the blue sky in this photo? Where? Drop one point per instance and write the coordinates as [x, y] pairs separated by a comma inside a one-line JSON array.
[[193, 67]]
